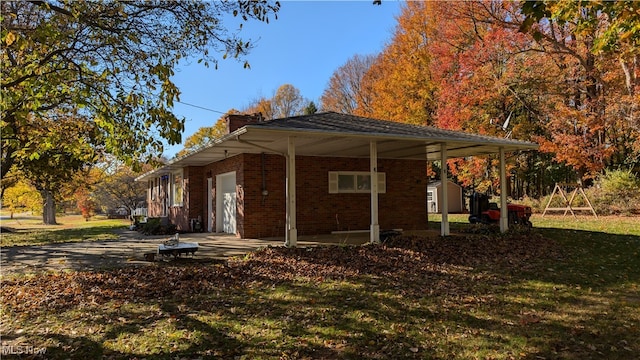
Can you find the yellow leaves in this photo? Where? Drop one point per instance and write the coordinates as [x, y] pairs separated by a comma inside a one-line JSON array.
[[10, 38]]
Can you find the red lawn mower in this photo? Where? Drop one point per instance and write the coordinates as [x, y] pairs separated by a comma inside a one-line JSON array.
[[485, 212]]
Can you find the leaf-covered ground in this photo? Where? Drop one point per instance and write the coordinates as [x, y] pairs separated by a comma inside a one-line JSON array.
[[471, 296]]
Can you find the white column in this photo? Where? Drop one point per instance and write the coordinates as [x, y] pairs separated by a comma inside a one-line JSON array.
[[291, 236], [444, 199], [373, 160], [504, 214]]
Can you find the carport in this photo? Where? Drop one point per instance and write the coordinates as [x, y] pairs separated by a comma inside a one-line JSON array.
[[331, 134], [341, 135]]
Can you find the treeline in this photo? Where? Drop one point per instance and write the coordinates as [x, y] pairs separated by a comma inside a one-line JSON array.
[[563, 74]]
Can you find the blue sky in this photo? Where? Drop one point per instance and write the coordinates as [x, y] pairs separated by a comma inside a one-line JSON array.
[[307, 43]]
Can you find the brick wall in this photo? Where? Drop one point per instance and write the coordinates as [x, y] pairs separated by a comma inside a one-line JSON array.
[[192, 199], [265, 214], [155, 203], [402, 206]]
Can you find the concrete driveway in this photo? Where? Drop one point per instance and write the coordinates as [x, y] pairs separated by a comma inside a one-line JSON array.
[[130, 247]]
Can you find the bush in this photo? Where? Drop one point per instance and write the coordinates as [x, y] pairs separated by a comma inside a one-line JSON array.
[[618, 192], [535, 204], [155, 226]]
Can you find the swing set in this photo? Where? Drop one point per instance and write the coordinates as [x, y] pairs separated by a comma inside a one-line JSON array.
[[567, 200]]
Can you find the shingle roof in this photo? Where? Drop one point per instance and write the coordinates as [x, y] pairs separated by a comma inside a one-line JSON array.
[[331, 122], [341, 135]]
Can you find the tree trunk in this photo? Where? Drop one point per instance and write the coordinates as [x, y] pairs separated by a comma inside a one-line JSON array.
[[48, 208]]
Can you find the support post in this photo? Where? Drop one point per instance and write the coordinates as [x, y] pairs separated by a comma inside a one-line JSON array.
[[504, 213], [373, 165], [291, 236], [444, 203]]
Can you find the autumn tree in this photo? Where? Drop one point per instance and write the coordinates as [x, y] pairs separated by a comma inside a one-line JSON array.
[[344, 91], [86, 203], [55, 150], [594, 121], [113, 60], [117, 186], [460, 71], [260, 105], [486, 84], [555, 84], [21, 196], [563, 73], [287, 101], [398, 85]]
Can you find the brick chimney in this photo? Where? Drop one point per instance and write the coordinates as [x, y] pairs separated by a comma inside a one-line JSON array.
[[236, 121]]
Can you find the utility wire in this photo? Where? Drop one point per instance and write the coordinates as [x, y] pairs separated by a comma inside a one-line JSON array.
[[201, 107]]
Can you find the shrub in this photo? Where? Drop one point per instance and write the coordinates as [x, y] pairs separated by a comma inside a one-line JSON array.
[[618, 192], [155, 226]]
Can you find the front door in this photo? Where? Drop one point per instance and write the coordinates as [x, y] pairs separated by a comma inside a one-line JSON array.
[[226, 203]]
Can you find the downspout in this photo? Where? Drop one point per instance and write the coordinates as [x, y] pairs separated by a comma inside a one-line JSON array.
[[290, 235]]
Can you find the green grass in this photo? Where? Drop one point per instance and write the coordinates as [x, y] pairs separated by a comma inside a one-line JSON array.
[[29, 230], [620, 225], [581, 303]]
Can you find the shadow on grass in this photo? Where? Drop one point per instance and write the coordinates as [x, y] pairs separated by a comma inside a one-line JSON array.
[[29, 237], [595, 259]]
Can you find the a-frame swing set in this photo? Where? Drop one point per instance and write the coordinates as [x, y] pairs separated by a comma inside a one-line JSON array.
[[567, 201]]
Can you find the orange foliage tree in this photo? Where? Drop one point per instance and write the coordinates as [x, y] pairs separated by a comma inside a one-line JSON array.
[[398, 86], [484, 67]]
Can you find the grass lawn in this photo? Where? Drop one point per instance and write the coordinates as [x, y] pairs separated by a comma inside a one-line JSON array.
[[567, 290], [29, 230]]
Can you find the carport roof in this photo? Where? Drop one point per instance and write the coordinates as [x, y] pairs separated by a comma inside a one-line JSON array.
[[332, 134]]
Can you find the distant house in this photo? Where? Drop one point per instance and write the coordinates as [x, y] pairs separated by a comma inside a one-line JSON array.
[[435, 197], [121, 212], [312, 174]]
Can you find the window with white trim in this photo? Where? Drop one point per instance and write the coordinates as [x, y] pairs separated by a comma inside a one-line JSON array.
[[354, 182], [177, 189]]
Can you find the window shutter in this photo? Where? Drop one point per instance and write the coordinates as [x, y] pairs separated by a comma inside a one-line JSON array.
[[333, 182], [382, 183]]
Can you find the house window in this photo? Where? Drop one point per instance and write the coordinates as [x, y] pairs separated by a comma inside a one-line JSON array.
[[156, 188], [354, 182], [177, 189], [429, 196]]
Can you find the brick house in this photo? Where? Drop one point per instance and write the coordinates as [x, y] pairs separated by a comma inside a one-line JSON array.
[[311, 174]]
